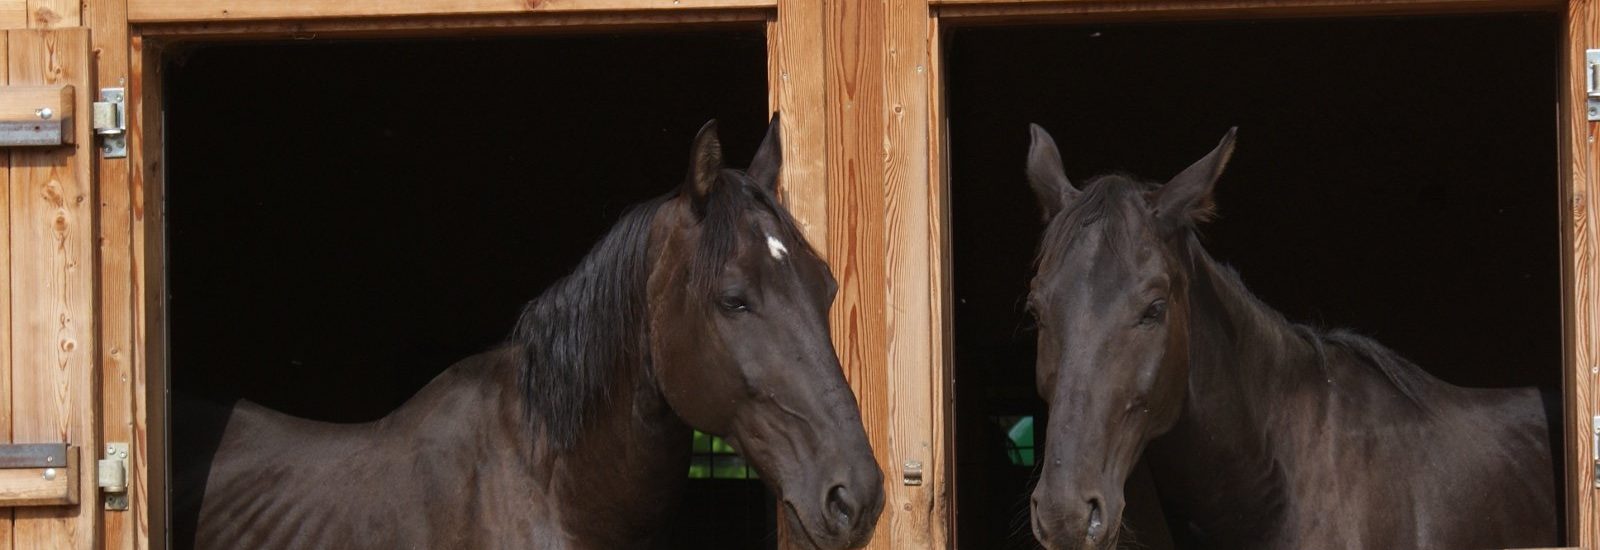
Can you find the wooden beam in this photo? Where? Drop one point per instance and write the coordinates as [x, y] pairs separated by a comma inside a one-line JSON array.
[[476, 25], [53, 337], [797, 86], [147, 480], [6, 413], [1580, 274], [42, 485], [166, 11], [1083, 11], [119, 277], [24, 102], [54, 14], [915, 374]]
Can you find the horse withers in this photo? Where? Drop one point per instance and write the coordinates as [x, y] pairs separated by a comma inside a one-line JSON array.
[[1261, 433], [704, 308]]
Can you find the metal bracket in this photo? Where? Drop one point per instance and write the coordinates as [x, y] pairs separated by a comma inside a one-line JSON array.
[[912, 476], [111, 123], [113, 476]]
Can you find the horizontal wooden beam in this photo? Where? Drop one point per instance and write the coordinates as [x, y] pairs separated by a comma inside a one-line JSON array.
[[1037, 11], [168, 11], [42, 485]]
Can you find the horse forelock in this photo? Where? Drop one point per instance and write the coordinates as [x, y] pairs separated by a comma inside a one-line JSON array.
[[1106, 209]]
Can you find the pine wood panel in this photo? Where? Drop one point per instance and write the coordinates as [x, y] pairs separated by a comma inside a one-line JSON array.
[[148, 478], [36, 487], [155, 11], [13, 14], [1582, 278], [52, 273], [122, 529], [6, 515], [796, 83], [911, 318], [53, 14], [24, 102], [854, 53]]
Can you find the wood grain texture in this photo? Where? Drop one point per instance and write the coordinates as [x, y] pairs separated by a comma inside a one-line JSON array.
[[797, 85], [6, 515], [54, 14], [1581, 276], [24, 102], [156, 11], [854, 53], [943, 294], [1079, 11], [476, 25], [123, 529], [53, 334], [41, 486], [910, 319], [147, 480], [13, 14]]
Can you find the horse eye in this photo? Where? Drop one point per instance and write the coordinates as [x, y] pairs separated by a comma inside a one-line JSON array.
[[734, 304], [1153, 314]]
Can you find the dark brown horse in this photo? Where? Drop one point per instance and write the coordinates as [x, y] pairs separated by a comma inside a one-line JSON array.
[[704, 308], [1271, 435]]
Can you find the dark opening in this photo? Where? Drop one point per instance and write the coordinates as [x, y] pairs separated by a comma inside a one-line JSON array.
[[1394, 176], [348, 219]]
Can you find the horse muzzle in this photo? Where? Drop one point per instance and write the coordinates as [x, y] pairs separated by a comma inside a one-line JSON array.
[[1063, 522]]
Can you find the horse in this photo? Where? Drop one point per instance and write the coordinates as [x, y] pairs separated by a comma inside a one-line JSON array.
[[702, 308], [1261, 433]]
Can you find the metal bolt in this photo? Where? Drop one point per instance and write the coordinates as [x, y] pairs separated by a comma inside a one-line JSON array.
[[919, 69], [49, 459], [45, 113], [111, 449], [122, 454], [49, 474]]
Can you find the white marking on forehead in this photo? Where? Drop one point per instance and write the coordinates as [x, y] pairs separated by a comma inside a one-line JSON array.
[[776, 247]]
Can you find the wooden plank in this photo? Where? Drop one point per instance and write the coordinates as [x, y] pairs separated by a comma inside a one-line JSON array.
[[854, 54], [477, 25], [1080, 11], [54, 14], [943, 294], [13, 14], [158, 11], [24, 102], [910, 317], [122, 529], [1581, 275], [6, 515], [53, 335], [147, 478], [797, 84], [43, 486]]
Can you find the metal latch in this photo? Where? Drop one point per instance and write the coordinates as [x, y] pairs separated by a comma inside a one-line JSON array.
[[113, 476], [111, 123]]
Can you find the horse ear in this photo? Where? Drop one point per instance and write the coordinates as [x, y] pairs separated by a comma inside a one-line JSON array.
[[768, 163], [705, 161], [1045, 175], [1187, 197]]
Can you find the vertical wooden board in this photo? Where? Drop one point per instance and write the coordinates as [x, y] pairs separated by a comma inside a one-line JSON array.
[[108, 22], [854, 56], [910, 318], [794, 48], [1581, 272], [54, 14], [13, 14], [148, 465], [943, 295], [6, 515], [52, 273]]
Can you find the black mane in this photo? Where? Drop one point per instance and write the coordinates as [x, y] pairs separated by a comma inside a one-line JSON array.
[[584, 331]]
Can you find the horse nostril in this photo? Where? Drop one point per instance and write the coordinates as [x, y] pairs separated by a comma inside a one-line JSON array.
[[840, 505], [1097, 526]]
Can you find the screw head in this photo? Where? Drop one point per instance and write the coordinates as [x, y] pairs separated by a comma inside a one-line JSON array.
[[45, 113], [49, 474]]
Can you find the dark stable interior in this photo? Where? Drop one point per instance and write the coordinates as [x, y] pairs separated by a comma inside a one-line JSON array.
[[1393, 176], [348, 219]]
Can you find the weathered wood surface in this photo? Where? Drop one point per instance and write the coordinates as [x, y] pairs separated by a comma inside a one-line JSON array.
[[147, 186], [42, 485], [53, 333], [155, 11], [1582, 279], [796, 83]]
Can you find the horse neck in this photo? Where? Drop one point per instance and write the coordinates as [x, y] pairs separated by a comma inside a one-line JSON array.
[[615, 467], [1244, 359]]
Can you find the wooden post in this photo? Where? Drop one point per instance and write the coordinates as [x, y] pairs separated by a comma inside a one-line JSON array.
[[1581, 278]]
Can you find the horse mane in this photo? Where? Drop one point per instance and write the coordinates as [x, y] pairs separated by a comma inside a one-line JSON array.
[[1104, 195], [583, 332]]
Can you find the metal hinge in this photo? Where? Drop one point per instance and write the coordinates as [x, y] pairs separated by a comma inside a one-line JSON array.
[[111, 123], [113, 476]]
